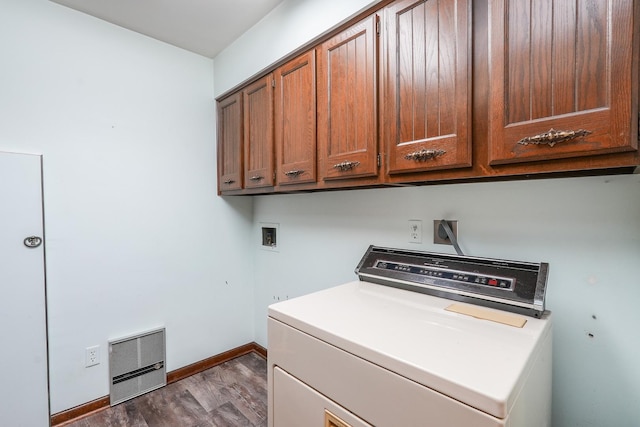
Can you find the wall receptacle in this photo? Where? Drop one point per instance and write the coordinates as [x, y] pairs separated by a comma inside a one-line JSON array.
[[415, 231], [92, 356], [440, 236]]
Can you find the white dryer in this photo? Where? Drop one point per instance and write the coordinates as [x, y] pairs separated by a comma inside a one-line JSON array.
[[402, 353]]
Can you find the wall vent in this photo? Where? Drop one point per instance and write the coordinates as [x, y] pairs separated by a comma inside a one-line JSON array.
[[136, 365]]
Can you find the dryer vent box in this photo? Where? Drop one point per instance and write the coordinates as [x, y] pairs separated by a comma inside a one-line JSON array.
[[136, 365]]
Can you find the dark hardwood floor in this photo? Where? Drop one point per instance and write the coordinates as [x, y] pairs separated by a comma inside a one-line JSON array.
[[232, 394]]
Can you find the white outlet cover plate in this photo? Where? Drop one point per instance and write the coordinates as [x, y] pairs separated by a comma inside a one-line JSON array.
[[92, 356], [415, 231]]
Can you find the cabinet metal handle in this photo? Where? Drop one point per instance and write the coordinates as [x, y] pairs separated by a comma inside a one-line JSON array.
[[552, 137], [345, 166], [256, 178], [424, 155], [229, 181], [294, 173]]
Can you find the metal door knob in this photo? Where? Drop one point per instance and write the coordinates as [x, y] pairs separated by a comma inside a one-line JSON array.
[[33, 241]]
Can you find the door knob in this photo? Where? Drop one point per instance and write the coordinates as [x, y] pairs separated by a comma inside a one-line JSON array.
[[33, 241]]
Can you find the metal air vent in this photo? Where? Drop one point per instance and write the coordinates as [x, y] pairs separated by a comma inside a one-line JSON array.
[[136, 365]]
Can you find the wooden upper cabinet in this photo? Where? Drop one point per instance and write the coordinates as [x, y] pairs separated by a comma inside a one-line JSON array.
[[230, 131], [295, 120], [347, 125], [561, 79], [258, 133], [555, 89], [427, 85]]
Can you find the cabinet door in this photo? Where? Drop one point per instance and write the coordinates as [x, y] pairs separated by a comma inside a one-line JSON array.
[[347, 126], [561, 79], [258, 133], [230, 143], [295, 120], [427, 78]]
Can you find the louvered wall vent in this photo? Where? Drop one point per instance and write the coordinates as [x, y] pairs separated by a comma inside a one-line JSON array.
[[136, 365]]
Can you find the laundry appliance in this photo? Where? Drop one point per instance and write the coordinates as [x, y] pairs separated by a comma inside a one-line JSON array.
[[420, 340]]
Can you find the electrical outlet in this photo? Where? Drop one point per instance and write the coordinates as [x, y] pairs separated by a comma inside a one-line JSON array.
[[92, 356], [440, 236], [415, 231]]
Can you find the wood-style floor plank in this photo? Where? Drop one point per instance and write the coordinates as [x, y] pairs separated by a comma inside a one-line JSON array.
[[228, 415], [232, 394]]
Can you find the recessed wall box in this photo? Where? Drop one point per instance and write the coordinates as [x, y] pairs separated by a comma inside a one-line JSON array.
[[269, 236]]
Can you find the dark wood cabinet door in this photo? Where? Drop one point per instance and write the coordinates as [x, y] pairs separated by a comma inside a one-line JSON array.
[[561, 79], [426, 87], [347, 125], [295, 120], [258, 133], [230, 131]]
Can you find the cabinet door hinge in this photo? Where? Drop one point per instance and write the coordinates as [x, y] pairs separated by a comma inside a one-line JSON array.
[[379, 160]]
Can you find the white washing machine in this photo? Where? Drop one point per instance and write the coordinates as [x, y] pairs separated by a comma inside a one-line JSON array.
[[421, 340]]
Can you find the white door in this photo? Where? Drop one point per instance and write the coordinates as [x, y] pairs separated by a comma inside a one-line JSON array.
[[24, 390]]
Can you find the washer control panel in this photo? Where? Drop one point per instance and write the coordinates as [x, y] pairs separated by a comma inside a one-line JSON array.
[[450, 275], [507, 285]]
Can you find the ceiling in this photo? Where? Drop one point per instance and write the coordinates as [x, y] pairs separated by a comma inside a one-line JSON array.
[[205, 27]]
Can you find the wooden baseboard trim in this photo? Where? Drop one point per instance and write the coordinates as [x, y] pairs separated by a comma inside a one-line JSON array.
[[210, 362], [259, 349], [73, 414], [65, 417]]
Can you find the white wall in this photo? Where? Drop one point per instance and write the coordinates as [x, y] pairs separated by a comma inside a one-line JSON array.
[[136, 235], [588, 229]]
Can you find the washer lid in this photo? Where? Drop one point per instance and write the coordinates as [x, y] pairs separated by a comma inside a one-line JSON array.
[[507, 285]]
